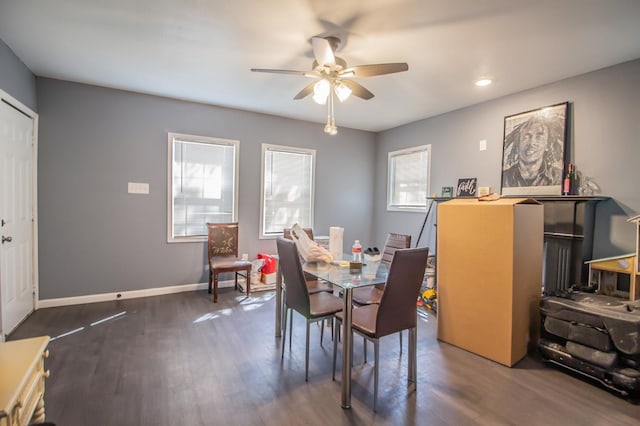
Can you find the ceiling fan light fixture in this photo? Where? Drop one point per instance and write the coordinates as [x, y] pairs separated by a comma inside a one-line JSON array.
[[321, 91], [334, 78], [342, 91]]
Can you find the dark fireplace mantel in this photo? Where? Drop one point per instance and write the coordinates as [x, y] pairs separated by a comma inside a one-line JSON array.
[[569, 222]]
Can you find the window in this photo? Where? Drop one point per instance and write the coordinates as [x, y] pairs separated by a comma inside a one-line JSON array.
[[287, 188], [202, 187], [408, 179]]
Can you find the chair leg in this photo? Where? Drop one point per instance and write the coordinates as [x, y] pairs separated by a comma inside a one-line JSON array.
[[284, 332], [321, 332], [336, 336], [210, 279], [413, 357], [236, 282], [215, 287], [331, 323], [283, 309], [376, 351], [290, 327], [248, 281], [306, 356], [364, 345], [400, 342]]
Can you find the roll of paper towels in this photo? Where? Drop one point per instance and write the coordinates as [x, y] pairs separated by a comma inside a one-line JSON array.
[[335, 242]]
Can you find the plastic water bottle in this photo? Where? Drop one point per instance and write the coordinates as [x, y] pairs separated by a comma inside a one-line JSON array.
[[356, 251]]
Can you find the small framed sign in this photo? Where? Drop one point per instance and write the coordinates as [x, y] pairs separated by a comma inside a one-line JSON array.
[[447, 191], [466, 187]]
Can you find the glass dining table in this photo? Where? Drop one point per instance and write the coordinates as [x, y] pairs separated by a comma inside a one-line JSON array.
[[341, 275]]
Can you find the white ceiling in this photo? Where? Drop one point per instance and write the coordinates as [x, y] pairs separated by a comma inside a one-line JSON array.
[[203, 50]]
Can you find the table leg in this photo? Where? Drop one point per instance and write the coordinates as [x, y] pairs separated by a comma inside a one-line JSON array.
[[347, 350], [278, 300]]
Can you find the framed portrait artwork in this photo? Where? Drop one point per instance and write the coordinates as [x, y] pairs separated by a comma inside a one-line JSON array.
[[533, 151]]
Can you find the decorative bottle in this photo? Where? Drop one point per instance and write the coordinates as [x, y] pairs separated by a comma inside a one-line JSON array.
[[567, 186], [356, 252]]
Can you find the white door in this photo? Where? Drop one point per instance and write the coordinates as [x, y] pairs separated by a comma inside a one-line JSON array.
[[16, 216]]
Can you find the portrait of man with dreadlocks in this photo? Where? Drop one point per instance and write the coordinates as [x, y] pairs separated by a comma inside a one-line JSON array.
[[533, 152]]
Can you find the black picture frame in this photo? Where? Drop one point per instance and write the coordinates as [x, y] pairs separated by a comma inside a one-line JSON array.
[[447, 191], [467, 187], [533, 152]]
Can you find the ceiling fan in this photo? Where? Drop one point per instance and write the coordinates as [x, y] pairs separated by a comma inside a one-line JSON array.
[[334, 77]]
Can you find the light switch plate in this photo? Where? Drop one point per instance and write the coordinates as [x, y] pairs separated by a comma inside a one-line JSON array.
[[138, 188], [483, 145]]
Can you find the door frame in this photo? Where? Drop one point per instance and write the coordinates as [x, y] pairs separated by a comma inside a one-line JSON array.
[[13, 102]]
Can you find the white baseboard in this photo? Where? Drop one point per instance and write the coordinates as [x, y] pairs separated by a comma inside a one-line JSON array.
[[131, 294]]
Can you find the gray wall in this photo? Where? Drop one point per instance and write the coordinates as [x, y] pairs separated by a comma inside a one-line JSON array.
[[604, 143], [15, 78], [95, 238]]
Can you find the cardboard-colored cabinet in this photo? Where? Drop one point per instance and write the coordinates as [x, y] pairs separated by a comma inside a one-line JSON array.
[[489, 276], [22, 377]]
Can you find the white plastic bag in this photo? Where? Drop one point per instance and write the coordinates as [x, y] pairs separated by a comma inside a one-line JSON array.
[[309, 250]]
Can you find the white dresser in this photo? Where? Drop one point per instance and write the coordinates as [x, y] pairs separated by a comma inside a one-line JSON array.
[[22, 377]]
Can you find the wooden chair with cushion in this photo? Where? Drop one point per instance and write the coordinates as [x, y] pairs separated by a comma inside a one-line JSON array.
[[313, 307], [395, 312], [223, 255]]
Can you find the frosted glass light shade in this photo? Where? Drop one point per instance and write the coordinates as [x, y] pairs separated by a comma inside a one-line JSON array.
[[321, 91], [342, 91]]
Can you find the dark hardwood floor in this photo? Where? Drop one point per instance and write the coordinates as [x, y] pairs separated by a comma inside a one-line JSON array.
[[182, 360]]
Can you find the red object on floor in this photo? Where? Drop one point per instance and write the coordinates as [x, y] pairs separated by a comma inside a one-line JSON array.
[[270, 263]]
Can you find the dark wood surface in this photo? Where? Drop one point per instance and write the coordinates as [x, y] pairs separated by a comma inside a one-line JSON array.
[[182, 360]]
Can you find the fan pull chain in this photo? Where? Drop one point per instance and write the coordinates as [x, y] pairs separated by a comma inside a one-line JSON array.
[[330, 127]]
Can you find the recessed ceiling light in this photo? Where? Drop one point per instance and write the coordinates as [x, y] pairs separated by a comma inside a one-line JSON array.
[[484, 82]]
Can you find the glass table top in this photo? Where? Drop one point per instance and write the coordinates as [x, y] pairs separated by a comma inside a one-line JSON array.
[[339, 273]]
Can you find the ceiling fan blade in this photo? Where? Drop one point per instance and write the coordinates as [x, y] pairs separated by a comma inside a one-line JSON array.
[[290, 72], [357, 89], [305, 92], [376, 69], [322, 51]]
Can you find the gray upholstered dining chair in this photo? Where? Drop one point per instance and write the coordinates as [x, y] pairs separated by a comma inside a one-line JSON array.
[[313, 307], [395, 312], [372, 294], [314, 285]]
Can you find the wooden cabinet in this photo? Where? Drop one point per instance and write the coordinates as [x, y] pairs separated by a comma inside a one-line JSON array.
[[22, 378], [490, 275], [618, 275]]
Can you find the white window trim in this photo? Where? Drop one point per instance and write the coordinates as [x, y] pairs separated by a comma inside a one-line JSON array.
[[170, 151], [271, 147], [391, 155]]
